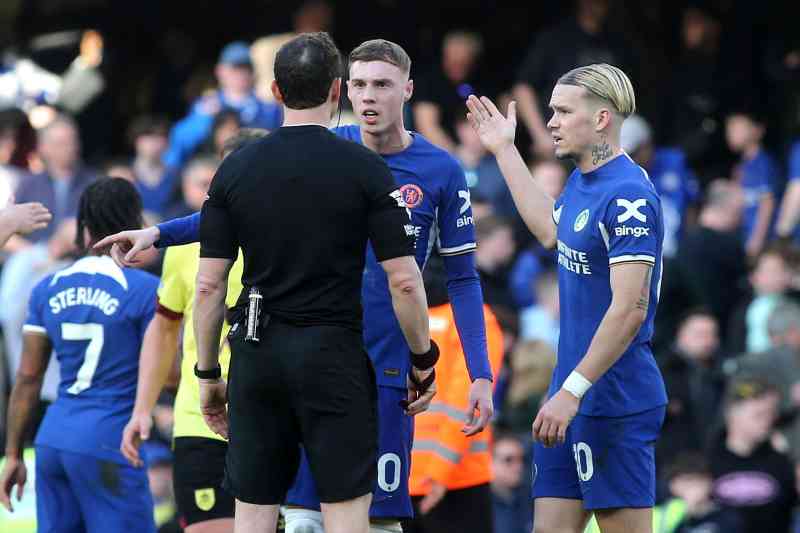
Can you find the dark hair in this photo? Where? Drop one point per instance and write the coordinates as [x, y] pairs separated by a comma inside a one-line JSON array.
[[501, 435], [751, 110], [224, 116], [487, 225], [305, 68], [243, 136], [14, 123], [107, 206], [693, 312], [382, 50], [688, 462], [787, 253], [147, 125]]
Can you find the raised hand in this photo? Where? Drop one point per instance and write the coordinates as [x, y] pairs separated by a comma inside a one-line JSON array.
[[495, 131]]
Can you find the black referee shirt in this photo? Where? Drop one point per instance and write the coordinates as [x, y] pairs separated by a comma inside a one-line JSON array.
[[302, 203]]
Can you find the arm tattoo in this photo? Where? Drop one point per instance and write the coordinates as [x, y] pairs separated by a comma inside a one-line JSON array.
[[601, 152], [644, 297]]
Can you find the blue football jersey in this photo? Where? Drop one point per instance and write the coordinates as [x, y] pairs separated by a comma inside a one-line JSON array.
[[759, 176], [95, 314], [677, 188], [435, 191], [606, 217]]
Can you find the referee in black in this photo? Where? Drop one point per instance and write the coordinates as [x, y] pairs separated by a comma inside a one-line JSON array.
[[301, 204]]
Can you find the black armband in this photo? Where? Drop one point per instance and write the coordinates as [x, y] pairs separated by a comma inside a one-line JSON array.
[[426, 360], [214, 373]]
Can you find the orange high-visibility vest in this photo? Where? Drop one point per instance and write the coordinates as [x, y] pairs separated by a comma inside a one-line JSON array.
[[441, 451]]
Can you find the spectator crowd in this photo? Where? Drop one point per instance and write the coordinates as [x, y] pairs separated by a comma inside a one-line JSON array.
[[728, 323]]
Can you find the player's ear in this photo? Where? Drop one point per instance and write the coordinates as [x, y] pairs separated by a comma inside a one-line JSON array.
[[408, 90], [336, 90], [602, 119], [276, 92]]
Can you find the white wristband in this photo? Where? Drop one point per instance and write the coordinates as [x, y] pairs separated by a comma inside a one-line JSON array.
[[576, 384]]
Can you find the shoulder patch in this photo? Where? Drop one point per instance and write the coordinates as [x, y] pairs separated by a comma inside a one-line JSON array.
[[631, 209]]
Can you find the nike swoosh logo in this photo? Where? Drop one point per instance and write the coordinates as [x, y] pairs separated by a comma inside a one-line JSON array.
[[557, 214]]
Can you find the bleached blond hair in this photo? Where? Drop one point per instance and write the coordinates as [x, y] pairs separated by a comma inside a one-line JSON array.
[[607, 83]]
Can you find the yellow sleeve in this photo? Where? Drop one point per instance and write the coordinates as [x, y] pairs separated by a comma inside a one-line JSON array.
[[173, 293]]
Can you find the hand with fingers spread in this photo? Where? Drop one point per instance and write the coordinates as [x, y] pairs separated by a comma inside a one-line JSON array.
[[14, 473], [495, 131], [480, 400], [136, 430], [131, 248], [550, 426], [213, 405]]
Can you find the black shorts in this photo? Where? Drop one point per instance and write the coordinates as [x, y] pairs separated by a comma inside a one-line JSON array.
[[198, 469], [313, 386], [468, 509]]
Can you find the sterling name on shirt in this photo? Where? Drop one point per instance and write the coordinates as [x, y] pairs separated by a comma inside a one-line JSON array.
[[83, 296]]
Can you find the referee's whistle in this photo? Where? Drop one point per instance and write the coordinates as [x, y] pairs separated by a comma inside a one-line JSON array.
[[253, 312]]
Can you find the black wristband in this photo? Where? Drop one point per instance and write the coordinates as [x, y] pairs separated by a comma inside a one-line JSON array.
[[214, 373], [426, 360]]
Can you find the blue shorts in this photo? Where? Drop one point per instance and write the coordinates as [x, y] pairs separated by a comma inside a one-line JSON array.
[[607, 462], [390, 498], [81, 493]]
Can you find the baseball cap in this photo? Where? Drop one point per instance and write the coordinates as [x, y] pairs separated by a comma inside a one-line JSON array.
[[635, 133], [236, 53], [747, 387]]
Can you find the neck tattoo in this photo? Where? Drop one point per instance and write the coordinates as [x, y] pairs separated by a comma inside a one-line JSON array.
[[601, 152]]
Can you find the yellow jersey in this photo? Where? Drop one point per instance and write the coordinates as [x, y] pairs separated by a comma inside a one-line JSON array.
[[176, 294]]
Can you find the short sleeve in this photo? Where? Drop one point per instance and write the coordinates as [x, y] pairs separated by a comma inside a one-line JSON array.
[[794, 162], [456, 225], [389, 220], [148, 304], [173, 294], [758, 181], [218, 237], [34, 323], [632, 227]]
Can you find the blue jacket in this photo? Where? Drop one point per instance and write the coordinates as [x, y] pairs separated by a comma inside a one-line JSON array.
[[192, 130]]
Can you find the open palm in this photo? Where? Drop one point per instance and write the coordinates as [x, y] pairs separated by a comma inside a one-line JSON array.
[[495, 131]]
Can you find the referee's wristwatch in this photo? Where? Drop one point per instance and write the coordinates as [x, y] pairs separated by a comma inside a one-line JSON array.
[[214, 373]]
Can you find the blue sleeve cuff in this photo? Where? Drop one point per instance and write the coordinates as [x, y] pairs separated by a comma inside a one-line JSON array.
[[466, 299], [179, 231]]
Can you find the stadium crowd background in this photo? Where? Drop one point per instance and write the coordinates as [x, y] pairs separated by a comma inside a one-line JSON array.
[[141, 91]]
